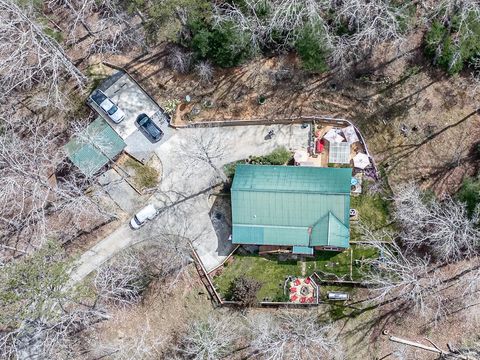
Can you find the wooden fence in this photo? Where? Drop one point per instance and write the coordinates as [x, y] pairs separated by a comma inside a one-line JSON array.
[[216, 298]]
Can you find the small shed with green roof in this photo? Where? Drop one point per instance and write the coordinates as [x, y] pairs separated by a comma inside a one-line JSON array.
[[298, 207], [94, 147]]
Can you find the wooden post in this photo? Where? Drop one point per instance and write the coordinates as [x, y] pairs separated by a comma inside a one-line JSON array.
[[351, 263]]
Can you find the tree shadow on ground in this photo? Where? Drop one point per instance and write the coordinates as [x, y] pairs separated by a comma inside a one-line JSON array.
[[398, 153]]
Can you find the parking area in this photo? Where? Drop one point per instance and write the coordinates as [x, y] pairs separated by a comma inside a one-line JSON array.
[[184, 181], [184, 190], [133, 100]]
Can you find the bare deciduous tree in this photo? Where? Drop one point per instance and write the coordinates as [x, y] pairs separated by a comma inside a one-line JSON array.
[[122, 279], [444, 227], [32, 199], [369, 23], [79, 11], [395, 275], [475, 76], [292, 335], [179, 60], [463, 15], [205, 147], [211, 338], [40, 314], [146, 344], [284, 16], [29, 57], [116, 30]]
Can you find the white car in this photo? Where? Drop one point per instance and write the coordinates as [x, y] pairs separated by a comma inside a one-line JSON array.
[[139, 219], [110, 109]]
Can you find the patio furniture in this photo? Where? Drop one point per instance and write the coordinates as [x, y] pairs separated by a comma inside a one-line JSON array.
[[297, 282], [339, 153], [361, 161], [350, 134], [320, 145], [300, 156], [293, 289], [303, 299], [293, 298], [357, 189], [333, 136], [311, 299], [307, 281]]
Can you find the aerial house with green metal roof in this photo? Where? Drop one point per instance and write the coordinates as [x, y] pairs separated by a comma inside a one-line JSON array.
[[295, 208]]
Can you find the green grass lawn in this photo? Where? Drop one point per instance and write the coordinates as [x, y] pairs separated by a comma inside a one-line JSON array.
[[272, 273], [266, 269], [339, 263], [373, 210]]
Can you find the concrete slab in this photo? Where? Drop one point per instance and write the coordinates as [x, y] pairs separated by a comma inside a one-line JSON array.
[[238, 142], [121, 192], [181, 180], [141, 148], [133, 100]]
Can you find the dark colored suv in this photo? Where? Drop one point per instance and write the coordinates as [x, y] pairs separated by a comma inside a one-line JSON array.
[[149, 128]]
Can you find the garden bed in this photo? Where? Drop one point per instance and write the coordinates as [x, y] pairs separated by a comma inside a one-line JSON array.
[[143, 176]]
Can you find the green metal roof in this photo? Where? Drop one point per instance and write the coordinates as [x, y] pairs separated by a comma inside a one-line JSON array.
[[330, 231], [94, 147], [291, 206], [292, 179]]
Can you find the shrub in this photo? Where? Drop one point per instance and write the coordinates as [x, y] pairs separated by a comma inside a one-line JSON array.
[[223, 45], [452, 48], [179, 60], [469, 193], [279, 156], [245, 290], [229, 169], [204, 71], [312, 50]]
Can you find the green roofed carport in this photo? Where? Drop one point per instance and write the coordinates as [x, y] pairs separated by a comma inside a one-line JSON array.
[[298, 206], [94, 147]]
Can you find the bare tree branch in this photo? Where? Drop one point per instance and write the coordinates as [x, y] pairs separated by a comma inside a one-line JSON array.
[[29, 57], [289, 335], [212, 338]]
